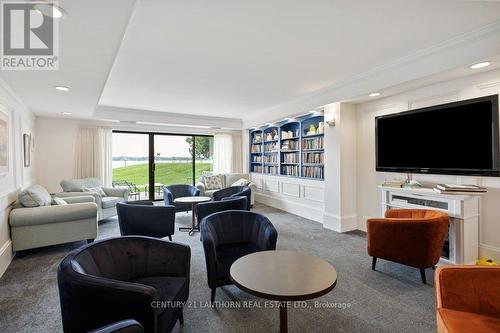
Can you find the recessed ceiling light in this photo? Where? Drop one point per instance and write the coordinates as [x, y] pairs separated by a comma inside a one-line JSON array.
[[374, 94], [62, 88], [66, 113], [481, 65], [50, 10]]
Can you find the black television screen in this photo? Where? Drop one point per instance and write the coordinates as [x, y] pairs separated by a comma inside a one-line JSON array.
[[459, 138]]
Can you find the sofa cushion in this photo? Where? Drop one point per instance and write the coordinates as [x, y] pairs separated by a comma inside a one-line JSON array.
[[58, 201], [213, 182], [77, 185], [35, 196], [458, 321], [96, 190], [233, 177], [241, 182], [109, 202]]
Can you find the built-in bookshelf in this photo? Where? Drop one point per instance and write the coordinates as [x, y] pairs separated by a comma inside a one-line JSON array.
[[292, 147], [256, 150]]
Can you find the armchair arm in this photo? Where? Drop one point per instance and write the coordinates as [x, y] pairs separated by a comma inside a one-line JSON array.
[[89, 302], [52, 214], [63, 195], [267, 238], [124, 326], [209, 245], [117, 192], [469, 289], [168, 198], [201, 187], [83, 198], [194, 191]]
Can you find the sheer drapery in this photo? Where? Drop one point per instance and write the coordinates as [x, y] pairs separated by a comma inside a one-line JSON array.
[[227, 153], [93, 154]]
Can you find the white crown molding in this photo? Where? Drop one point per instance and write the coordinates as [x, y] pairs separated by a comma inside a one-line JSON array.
[[12, 100], [461, 50]]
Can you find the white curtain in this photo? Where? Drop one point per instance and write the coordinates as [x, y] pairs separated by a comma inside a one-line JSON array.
[[227, 153], [93, 155]]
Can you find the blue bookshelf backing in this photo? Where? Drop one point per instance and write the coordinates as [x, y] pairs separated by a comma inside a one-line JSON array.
[[289, 148]]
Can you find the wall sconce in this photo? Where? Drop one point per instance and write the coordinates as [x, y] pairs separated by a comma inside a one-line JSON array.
[[330, 119]]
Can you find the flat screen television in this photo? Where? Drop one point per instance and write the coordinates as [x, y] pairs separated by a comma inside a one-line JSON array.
[[459, 138]]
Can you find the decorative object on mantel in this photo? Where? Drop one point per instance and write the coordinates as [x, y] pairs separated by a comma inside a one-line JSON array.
[[27, 149], [394, 183], [485, 262], [4, 141], [459, 189]]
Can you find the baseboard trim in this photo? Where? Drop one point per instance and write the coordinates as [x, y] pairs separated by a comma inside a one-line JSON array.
[[490, 252], [6, 256], [305, 211], [344, 223]]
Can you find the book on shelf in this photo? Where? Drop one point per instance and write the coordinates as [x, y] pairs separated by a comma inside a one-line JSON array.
[[271, 147], [290, 145], [271, 169], [393, 183], [456, 192], [257, 168], [273, 158], [290, 158], [312, 158], [460, 187]]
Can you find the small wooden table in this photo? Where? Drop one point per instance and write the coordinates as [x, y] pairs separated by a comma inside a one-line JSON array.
[[283, 276], [193, 201]]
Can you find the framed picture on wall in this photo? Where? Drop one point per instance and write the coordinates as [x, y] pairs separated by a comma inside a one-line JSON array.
[[27, 149], [4, 141]]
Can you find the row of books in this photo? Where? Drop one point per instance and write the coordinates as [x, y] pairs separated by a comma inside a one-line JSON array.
[[313, 172], [257, 158], [270, 169], [271, 147], [290, 158], [290, 170], [312, 158], [257, 168], [256, 148], [271, 158], [313, 143], [459, 189], [290, 145]]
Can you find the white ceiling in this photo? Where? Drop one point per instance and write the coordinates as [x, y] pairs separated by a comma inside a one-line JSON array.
[[234, 59]]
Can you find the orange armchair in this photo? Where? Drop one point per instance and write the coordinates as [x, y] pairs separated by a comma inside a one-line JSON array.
[[413, 237], [468, 299]]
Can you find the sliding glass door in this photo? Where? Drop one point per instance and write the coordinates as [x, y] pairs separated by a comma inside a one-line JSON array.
[[146, 162]]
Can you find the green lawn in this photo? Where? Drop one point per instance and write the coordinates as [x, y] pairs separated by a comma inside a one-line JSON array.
[[166, 173]]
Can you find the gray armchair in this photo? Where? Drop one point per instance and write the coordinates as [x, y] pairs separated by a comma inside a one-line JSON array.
[[105, 201]]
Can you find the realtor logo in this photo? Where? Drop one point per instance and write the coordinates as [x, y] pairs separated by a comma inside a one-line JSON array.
[[29, 36]]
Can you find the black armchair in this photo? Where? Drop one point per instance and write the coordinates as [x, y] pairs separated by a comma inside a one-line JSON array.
[[124, 326], [234, 191], [203, 209], [131, 277], [170, 193], [230, 235], [144, 219]]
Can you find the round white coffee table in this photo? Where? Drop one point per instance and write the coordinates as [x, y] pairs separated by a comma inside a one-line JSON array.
[[283, 276], [193, 201]]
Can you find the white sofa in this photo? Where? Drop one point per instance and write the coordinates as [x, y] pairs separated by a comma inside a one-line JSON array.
[[37, 221], [106, 205], [227, 180]]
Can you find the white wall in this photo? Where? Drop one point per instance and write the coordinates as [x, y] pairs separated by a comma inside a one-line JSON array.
[[22, 121], [368, 194]]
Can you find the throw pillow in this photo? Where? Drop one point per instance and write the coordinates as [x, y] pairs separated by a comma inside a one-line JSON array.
[[35, 196], [213, 182], [95, 190], [58, 201], [241, 182]]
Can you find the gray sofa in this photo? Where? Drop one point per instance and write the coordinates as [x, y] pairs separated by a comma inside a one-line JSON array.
[[106, 201], [39, 220], [227, 180]]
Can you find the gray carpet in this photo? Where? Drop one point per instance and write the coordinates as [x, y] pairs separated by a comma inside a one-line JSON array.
[[392, 299]]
